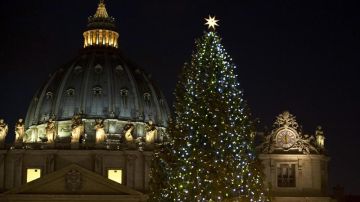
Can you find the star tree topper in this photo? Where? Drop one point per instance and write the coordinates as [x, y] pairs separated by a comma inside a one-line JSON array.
[[211, 22]]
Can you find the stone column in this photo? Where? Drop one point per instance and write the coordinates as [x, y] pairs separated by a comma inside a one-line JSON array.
[[2, 172], [147, 166], [98, 164], [299, 177], [273, 176], [50, 163], [18, 170], [74, 145], [130, 169]]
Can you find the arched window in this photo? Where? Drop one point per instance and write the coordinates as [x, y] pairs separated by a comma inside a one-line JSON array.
[[147, 99], [97, 102], [119, 68], [98, 69], [70, 92], [49, 95], [124, 96], [78, 69], [161, 102]]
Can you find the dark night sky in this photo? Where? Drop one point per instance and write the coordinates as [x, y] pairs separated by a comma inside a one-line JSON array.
[[292, 55]]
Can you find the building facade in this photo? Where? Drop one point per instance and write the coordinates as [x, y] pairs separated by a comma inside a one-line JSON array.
[[295, 164], [90, 131]]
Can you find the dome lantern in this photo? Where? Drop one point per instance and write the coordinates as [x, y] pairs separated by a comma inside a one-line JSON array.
[[101, 30]]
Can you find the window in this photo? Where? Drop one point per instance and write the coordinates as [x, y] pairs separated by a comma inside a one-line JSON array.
[[161, 102], [49, 95], [97, 90], [98, 69], [147, 99], [286, 175], [124, 94], [119, 68], [78, 69], [115, 175], [70, 92], [32, 174]]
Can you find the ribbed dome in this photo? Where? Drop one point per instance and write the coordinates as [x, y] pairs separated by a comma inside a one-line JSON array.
[[99, 83]]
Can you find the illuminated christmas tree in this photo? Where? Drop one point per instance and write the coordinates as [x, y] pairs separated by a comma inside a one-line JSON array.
[[210, 155]]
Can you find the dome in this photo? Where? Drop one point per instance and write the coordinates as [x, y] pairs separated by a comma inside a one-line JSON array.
[[99, 84]]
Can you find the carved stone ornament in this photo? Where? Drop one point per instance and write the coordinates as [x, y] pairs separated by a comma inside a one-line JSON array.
[[286, 119], [286, 137], [73, 181]]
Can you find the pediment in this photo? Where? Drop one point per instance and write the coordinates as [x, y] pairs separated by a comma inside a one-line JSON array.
[[74, 180]]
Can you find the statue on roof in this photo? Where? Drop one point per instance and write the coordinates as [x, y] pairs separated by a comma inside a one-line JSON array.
[[3, 131], [320, 138], [151, 132], [19, 131], [100, 131], [50, 130], [128, 132], [77, 127]]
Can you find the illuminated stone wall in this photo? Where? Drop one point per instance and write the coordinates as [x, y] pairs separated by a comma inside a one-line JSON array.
[[311, 177], [135, 165], [112, 127], [101, 37]]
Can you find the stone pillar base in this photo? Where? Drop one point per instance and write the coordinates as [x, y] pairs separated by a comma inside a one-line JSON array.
[[149, 147], [99, 146], [18, 145], [74, 145], [131, 146], [50, 146]]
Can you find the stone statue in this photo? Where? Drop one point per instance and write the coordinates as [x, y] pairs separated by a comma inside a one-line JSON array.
[[19, 131], [319, 131], [151, 132], [3, 131], [320, 139], [100, 131], [128, 129], [50, 131], [77, 128], [304, 145]]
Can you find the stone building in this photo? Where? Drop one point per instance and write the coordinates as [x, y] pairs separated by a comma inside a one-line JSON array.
[[295, 164], [90, 130]]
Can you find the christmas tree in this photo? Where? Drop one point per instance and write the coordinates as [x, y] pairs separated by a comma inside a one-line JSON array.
[[210, 155]]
